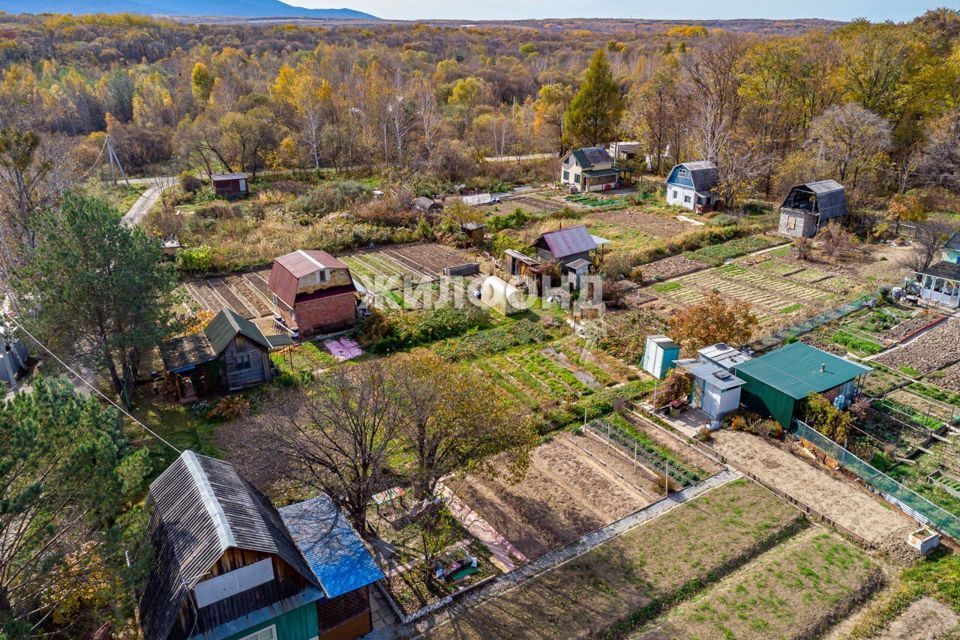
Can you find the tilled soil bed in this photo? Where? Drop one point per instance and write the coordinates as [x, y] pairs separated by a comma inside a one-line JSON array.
[[575, 484], [936, 349], [671, 268]]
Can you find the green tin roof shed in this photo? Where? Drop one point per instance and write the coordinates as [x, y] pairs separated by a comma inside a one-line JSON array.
[[777, 381]]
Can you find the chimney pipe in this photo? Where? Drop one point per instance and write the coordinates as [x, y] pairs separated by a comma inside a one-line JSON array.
[[823, 367]]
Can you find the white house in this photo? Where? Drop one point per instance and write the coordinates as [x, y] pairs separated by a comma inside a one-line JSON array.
[[692, 185], [590, 169]]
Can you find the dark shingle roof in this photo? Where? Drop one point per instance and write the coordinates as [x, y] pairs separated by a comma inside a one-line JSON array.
[[591, 156], [202, 507], [567, 242], [943, 269], [703, 174], [186, 352], [830, 194], [226, 325], [953, 243]]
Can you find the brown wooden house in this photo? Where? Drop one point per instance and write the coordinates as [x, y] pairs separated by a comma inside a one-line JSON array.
[[313, 292], [230, 185], [229, 566], [230, 353]]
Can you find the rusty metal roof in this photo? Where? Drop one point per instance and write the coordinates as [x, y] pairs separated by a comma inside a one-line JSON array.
[[288, 269]]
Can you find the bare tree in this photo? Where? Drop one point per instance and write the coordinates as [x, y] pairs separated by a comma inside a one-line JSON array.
[[847, 138], [928, 244], [940, 161], [339, 439]]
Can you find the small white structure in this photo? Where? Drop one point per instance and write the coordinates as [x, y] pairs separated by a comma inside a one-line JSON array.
[[480, 200], [624, 150], [659, 355], [715, 391], [924, 541], [501, 296], [722, 355], [692, 185]]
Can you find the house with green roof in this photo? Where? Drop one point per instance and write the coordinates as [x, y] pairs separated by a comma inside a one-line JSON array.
[[230, 353], [590, 169], [779, 381]]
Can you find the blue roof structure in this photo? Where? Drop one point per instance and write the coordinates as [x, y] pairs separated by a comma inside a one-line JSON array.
[[330, 545]]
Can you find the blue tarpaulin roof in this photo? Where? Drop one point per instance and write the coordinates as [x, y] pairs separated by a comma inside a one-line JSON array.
[[330, 545]]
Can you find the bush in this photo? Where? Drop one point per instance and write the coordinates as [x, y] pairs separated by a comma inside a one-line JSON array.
[[219, 211], [491, 341], [516, 220], [195, 259], [332, 196], [384, 332], [229, 408], [189, 182]]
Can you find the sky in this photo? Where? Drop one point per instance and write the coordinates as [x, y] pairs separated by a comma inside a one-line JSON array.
[[875, 10]]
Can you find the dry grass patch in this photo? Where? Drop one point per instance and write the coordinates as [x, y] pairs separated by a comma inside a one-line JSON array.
[[631, 578]]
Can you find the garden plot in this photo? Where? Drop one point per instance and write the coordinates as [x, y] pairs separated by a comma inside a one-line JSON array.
[[532, 204], [936, 349], [671, 267], [770, 298], [844, 503], [574, 484], [246, 294], [386, 271], [795, 590], [935, 475], [628, 576], [536, 379], [651, 224]]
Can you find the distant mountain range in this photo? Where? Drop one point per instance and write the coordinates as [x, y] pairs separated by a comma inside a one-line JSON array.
[[226, 8]]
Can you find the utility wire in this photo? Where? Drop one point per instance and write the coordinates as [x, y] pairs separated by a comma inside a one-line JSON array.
[[88, 384]]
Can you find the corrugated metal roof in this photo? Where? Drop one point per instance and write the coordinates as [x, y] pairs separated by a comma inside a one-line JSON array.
[[288, 269], [798, 370], [664, 342], [724, 355], [202, 507], [228, 176], [567, 242], [331, 546], [226, 325], [830, 195], [943, 269]]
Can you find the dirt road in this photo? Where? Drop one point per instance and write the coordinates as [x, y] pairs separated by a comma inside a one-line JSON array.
[[145, 202]]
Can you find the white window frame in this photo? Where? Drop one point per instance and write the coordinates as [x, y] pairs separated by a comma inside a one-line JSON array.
[[271, 632]]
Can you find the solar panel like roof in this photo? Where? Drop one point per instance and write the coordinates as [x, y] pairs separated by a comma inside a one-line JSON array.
[[591, 156], [331, 546], [567, 242], [798, 370]]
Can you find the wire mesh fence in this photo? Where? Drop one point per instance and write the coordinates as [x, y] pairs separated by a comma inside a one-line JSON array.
[[908, 500], [817, 321]]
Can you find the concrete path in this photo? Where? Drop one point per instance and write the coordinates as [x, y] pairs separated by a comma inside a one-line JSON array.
[[503, 552], [146, 201]]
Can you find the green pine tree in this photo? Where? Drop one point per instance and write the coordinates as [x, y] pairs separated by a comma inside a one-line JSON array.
[[594, 113]]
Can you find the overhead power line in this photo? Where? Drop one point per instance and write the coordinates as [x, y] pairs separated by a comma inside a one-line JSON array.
[[86, 382]]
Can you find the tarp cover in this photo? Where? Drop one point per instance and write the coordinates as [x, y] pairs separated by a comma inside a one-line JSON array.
[[331, 546]]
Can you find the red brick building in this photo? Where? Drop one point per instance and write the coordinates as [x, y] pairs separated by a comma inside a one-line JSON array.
[[313, 292]]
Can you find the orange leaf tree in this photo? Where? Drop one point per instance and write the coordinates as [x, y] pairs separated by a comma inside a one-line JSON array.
[[716, 319]]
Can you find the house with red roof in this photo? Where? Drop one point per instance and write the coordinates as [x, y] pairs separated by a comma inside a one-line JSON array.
[[313, 292]]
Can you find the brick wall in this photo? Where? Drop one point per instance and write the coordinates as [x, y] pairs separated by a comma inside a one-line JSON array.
[[324, 315]]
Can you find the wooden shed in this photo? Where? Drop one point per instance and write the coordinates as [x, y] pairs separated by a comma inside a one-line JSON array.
[[809, 207], [230, 353], [230, 185]]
